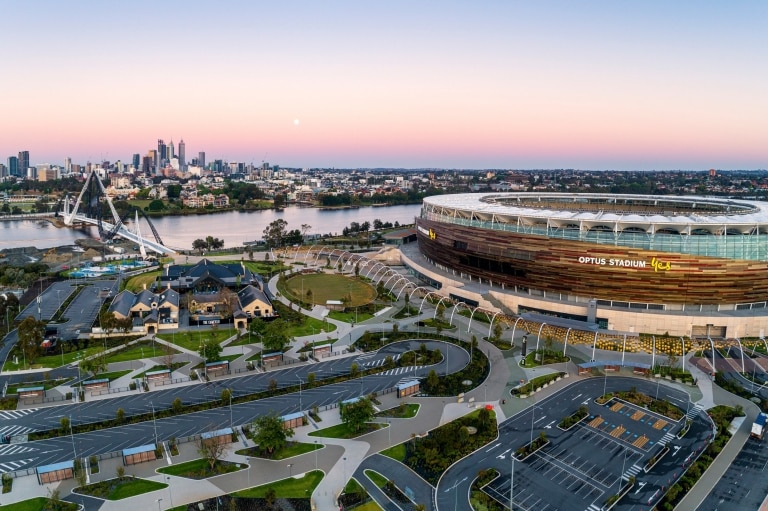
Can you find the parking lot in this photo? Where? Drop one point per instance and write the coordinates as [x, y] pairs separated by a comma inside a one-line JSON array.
[[583, 467]]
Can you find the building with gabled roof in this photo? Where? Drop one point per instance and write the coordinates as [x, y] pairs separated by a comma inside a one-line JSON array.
[[150, 311]]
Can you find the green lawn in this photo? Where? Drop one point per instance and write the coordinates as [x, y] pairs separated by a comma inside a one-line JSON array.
[[289, 451], [191, 340], [403, 411], [350, 316], [396, 452], [51, 360], [109, 376], [291, 488], [376, 478], [119, 489], [198, 469], [36, 504], [371, 505], [343, 431], [48, 384], [309, 326], [136, 284], [142, 349], [326, 286]]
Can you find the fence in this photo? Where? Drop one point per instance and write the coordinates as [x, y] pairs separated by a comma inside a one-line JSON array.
[[161, 383], [285, 362], [52, 399], [333, 354], [110, 391]]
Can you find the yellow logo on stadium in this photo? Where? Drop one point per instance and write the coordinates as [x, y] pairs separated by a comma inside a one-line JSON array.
[[660, 265], [432, 234]]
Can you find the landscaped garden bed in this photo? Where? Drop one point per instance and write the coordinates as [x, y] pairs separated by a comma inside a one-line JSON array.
[[201, 469], [119, 488], [401, 411], [570, 421], [659, 406], [522, 453]]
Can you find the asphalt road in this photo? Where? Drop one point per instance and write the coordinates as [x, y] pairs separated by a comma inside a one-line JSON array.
[[43, 452], [581, 468]]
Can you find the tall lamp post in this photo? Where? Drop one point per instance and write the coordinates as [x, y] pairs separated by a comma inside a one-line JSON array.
[[158, 504], [170, 492], [248, 460]]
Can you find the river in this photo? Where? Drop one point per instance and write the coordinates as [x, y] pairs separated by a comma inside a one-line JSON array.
[[233, 227]]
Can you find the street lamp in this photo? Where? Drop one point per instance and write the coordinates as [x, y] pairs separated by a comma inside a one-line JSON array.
[[72, 436], [345, 470], [248, 460], [158, 504], [301, 407], [290, 469], [170, 492], [154, 422], [316, 449]]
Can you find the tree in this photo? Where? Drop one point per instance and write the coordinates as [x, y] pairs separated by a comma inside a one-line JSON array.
[[211, 350], [305, 228], [120, 416], [311, 379], [275, 339], [226, 395], [96, 363], [108, 322], [257, 327], [497, 331], [353, 369], [270, 434], [279, 200], [214, 243], [64, 423], [31, 333], [168, 355], [211, 449], [356, 414], [432, 380], [199, 245], [275, 232], [177, 405], [228, 302]]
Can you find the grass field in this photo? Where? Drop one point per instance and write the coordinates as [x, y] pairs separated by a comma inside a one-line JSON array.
[[109, 376], [191, 340], [326, 286], [376, 478], [343, 431], [37, 504], [51, 360], [289, 451], [136, 284], [403, 411], [48, 384], [142, 349], [119, 489], [396, 452], [199, 469], [296, 488], [350, 316]]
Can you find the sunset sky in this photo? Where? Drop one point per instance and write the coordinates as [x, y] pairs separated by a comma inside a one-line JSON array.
[[508, 84]]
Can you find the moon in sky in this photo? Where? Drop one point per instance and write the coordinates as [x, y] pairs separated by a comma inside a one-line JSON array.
[[295, 122]]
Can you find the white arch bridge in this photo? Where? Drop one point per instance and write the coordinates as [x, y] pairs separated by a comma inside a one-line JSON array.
[[89, 209]]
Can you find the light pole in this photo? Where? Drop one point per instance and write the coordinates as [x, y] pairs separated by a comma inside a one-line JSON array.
[[154, 422], [316, 449], [389, 430], [301, 407], [231, 421], [512, 482], [72, 436], [248, 460], [345, 471], [658, 382], [158, 504], [170, 492], [290, 469]]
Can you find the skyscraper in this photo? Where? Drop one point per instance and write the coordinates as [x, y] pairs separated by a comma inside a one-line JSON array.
[[161, 154], [182, 156], [68, 164], [136, 160], [23, 163], [201, 158], [171, 154], [13, 166]]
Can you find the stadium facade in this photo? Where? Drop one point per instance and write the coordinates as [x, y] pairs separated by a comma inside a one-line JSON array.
[[694, 266]]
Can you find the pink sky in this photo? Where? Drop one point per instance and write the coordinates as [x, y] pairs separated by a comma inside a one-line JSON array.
[[504, 85]]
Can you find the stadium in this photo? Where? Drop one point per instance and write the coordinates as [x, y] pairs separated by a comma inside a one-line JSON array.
[[682, 266]]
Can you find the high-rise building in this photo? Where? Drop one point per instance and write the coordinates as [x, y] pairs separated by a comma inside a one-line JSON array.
[[162, 154], [136, 160], [182, 155], [171, 154], [23, 162], [68, 164], [13, 166], [3, 170], [201, 158]]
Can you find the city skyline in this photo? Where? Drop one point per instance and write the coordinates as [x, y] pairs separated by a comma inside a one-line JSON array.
[[598, 85]]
